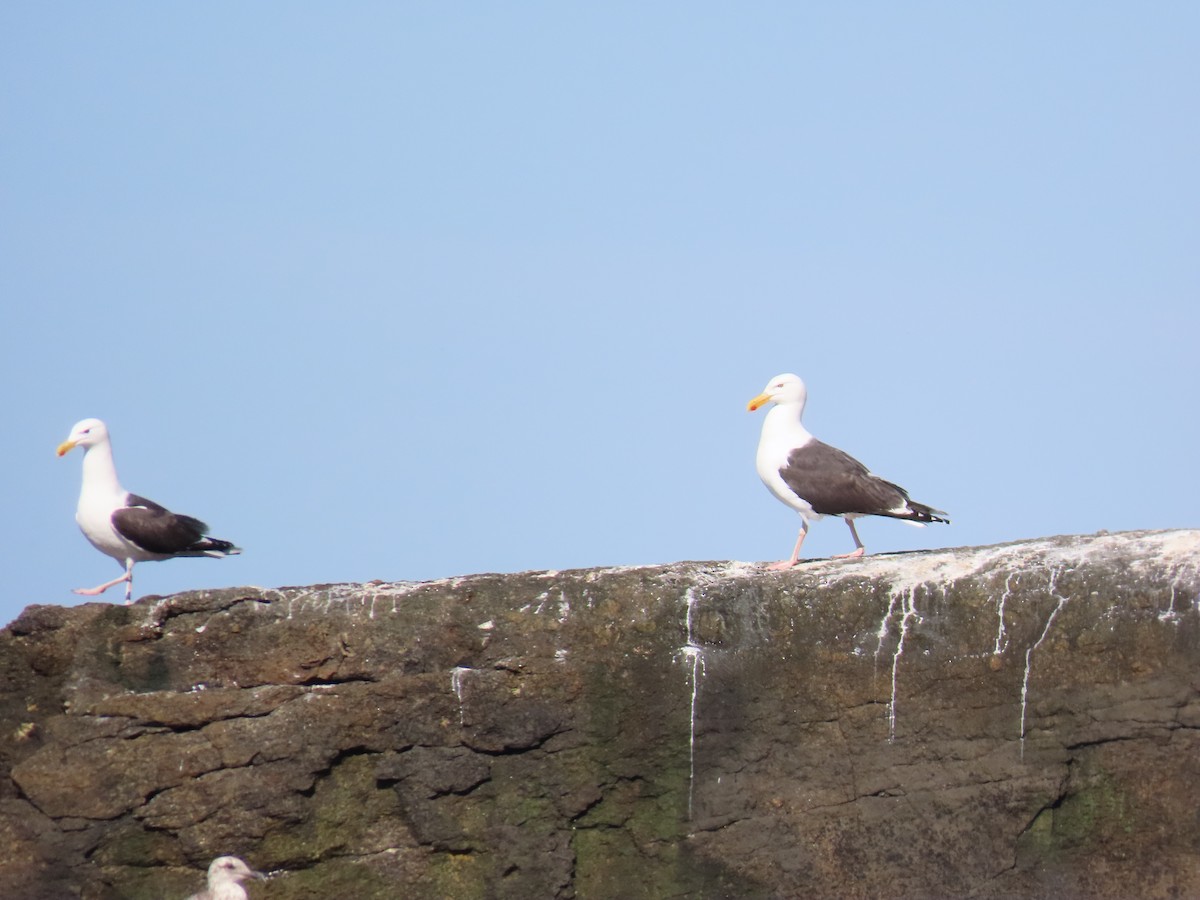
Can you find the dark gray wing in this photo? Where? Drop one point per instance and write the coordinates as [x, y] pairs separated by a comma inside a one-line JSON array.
[[155, 528], [835, 483]]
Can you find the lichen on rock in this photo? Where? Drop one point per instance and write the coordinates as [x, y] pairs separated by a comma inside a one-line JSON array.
[[1018, 720]]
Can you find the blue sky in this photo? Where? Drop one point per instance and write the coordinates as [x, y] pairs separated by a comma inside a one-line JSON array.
[[402, 291]]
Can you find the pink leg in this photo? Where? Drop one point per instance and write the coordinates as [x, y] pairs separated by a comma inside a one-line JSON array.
[[788, 563], [860, 549], [92, 592], [127, 578]]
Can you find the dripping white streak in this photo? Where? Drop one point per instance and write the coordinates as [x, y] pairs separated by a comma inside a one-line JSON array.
[[690, 599], [1029, 653], [885, 625], [1001, 639], [456, 685], [1170, 615], [694, 654], [910, 612]]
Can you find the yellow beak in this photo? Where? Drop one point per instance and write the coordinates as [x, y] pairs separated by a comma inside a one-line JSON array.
[[65, 447], [760, 400]]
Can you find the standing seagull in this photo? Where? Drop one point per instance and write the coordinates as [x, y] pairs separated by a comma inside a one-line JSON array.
[[225, 875], [818, 480], [127, 527]]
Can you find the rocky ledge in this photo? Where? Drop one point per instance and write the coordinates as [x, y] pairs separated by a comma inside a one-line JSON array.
[[1017, 720]]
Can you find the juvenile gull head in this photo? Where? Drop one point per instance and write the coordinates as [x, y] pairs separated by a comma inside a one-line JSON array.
[[225, 877]]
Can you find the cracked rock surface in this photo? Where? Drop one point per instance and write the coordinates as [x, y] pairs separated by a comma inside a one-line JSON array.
[[1018, 720]]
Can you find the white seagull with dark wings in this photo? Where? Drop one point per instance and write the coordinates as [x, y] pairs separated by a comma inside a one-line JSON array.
[[818, 480], [129, 528]]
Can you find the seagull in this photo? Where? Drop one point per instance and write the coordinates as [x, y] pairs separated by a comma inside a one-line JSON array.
[[129, 528], [818, 480], [225, 876]]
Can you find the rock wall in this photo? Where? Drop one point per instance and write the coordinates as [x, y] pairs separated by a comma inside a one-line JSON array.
[[1018, 720]]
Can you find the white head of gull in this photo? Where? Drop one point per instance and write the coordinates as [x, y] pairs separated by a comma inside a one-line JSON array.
[[818, 480], [129, 528], [225, 877]]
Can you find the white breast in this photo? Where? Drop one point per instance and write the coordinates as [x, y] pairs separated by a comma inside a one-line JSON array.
[[781, 434], [94, 517]]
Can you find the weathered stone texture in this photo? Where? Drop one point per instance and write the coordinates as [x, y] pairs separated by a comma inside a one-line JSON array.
[[1021, 720]]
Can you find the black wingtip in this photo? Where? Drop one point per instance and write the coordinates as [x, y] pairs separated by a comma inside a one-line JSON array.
[[216, 545], [923, 513]]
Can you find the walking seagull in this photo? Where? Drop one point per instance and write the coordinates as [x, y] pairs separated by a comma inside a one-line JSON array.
[[818, 480], [129, 528]]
